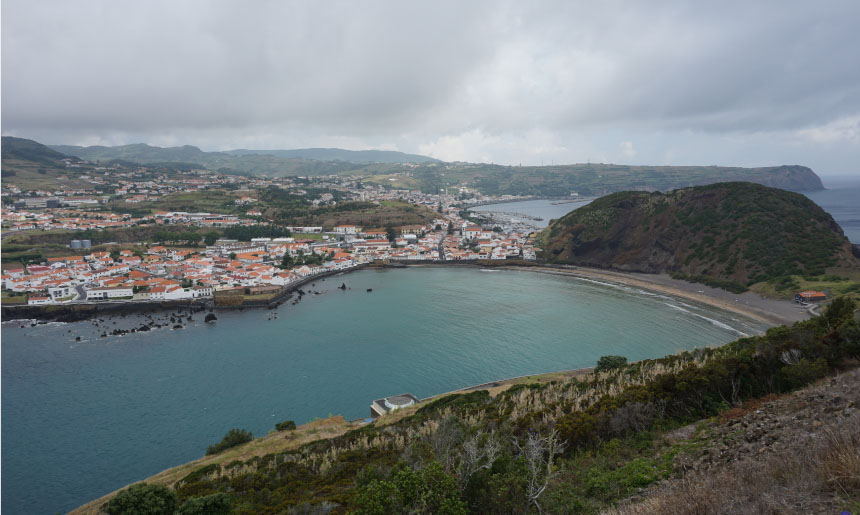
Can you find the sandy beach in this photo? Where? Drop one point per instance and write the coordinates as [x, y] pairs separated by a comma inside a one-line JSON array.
[[770, 311]]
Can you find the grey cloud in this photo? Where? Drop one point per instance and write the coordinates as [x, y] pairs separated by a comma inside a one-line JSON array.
[[202, 64], [436, 75]]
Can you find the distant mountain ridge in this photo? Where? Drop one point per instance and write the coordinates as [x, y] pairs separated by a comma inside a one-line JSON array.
[[29, 150], [339, 154], [143, 154], [422, 173], [733, 231]]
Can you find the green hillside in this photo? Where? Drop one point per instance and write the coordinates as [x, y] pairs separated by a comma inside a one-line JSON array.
[[31, 165], [735, 232], [431, 175], [29, 150], [307, 162]]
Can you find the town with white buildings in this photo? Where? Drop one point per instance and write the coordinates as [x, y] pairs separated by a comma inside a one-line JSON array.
[[156, 272]]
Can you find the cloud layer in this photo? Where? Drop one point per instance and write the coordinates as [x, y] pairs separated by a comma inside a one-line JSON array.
[[657, 82]]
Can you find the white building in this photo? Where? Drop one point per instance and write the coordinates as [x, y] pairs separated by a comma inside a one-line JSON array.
[[201, 291], [106, 293], [61, 292], [347, 229]]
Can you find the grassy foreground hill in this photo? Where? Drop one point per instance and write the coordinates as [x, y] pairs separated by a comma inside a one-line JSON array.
[[573, 445], [731, 234]]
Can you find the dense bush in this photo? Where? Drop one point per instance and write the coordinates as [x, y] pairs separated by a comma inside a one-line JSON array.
[[286, 425], [215, 504], [143, 499], [610, 363], [233, 438], [427, 491]]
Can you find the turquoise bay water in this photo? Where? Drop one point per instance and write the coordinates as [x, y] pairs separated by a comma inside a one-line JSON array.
[[547, 210], [83, 418]]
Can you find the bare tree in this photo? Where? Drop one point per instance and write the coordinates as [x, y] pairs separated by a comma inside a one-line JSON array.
[[539, 452], [444, 440], [478, 452]]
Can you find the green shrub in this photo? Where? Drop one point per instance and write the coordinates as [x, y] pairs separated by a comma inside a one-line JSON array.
[[233, 438], [610, 363], [477, 398], [804, 371], [426, 491], [215, 504], [286, 425], [143, 499]]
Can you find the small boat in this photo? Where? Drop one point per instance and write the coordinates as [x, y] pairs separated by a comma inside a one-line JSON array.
[[489, 270]]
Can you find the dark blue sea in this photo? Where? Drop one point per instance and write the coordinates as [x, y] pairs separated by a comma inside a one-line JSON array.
[[842, 200]]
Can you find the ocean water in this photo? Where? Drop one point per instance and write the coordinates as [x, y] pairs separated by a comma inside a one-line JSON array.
[[842, 200], [81, 419], [547, 210]]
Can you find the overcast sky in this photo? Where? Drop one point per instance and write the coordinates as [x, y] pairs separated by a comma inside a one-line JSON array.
[[729, 83]]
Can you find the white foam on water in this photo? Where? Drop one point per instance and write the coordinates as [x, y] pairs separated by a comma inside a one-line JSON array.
[[717, 323]]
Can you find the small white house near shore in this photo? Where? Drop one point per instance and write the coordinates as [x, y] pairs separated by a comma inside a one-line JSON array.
[[107, 293]]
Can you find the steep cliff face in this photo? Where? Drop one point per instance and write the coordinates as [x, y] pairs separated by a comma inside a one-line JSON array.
[[791, 177], [736, 231]]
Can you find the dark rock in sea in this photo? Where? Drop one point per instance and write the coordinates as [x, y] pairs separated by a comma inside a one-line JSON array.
[[370, 289], [177, 326], [77, 338], [144, 328], [210, 318], [342, 286]]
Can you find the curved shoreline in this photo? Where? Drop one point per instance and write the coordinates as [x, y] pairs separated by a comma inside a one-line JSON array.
[[773, 312]]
